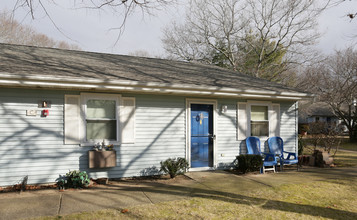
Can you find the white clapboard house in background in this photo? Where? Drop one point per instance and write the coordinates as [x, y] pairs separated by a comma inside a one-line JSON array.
[[55, 105]]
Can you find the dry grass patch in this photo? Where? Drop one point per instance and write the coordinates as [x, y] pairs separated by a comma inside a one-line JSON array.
[[333, 199], [342, 158], [345, 158]]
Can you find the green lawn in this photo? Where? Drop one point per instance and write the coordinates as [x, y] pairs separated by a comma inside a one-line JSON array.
[[345, 159], [349, 146], [345, 144]]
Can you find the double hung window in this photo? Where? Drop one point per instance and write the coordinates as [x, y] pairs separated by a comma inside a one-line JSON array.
[[100, 117], [93, 117], [258, 118], [259, 122], [101, 120]]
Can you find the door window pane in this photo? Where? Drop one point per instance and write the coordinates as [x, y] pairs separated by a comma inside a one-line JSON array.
[[97, 109]]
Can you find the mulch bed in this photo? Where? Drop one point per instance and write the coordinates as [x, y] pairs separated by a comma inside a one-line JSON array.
[[20, 187], [101, 182], [162, 179]]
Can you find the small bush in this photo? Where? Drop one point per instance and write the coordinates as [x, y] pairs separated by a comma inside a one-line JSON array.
[[174, 166], [249, 162], [301, 145], [74, 179], [303, 128]]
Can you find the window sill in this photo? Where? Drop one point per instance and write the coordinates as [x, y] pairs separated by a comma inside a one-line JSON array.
[[261, 137], [92, 143]]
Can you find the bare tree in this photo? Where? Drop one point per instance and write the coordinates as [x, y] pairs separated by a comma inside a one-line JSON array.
[[269, 35], [140, 53], [13, 32], [122, 8], [334, 81], [210, 26], [289, 25]]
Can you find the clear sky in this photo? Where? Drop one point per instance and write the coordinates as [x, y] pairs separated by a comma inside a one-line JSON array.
[[91, 29]]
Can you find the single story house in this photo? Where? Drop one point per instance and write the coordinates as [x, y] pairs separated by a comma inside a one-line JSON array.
[[319, 112], [316, 112], [56, 105]]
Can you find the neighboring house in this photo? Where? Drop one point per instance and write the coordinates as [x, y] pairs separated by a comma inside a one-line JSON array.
[[318, 112], [55, 105]]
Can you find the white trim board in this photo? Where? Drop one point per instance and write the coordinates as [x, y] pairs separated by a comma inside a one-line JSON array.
[[196, 169]]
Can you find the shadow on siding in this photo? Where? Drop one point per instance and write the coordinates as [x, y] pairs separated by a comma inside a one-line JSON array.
[[31, 145]]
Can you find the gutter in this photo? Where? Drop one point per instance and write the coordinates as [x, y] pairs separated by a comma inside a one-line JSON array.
[[136, 87]]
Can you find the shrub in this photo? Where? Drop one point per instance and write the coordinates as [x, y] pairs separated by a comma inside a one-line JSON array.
[[74, 179], [325, 135], [302, 128], [174, 166], [249, 162], [317, 131], [301, 145]]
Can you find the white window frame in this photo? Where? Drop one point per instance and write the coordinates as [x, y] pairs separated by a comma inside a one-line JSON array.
[[99, 96], [249, 112]]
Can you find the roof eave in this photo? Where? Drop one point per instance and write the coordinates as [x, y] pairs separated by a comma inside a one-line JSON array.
[[136, 87]]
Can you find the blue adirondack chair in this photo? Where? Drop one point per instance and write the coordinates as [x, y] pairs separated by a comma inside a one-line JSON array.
[[253, 147], [276, 147]]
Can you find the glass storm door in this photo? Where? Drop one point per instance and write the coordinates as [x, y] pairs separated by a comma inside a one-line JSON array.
[[201, 135]]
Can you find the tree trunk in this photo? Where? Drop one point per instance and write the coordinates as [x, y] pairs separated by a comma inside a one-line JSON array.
[[353, 134]]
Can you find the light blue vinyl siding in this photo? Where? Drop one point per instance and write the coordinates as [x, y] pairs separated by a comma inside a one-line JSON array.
[[34, 146], [227, 145], [160, 134], [288, 125]]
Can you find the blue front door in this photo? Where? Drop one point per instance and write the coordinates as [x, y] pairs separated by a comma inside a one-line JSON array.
[[201, 135]]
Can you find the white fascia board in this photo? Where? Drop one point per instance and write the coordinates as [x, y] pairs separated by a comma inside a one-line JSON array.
[[119, 85]]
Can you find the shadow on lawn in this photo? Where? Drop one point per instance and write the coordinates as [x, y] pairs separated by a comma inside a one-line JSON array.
[[348, 173], [156, 188], [247, 200]]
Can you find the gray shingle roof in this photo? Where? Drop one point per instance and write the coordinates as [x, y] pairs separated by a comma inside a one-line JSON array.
[[317, 109], [26, 61]]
